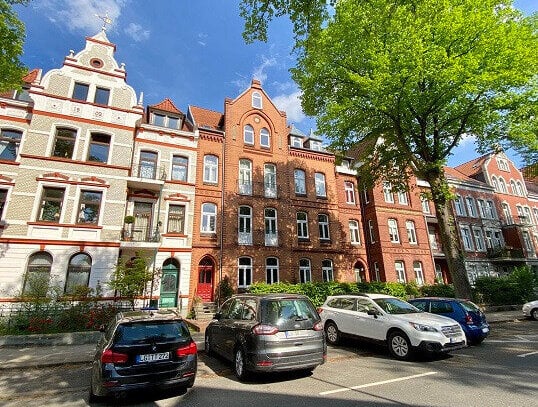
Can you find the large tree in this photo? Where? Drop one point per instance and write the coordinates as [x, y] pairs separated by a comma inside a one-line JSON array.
[[408, 79], [12, 36]]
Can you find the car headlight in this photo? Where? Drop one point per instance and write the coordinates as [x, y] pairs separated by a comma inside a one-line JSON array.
[[423, 328]]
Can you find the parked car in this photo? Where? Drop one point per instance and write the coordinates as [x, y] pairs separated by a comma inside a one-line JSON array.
[[467, 314], [267, 333], [140, 349], [401, 326], [530, 309]]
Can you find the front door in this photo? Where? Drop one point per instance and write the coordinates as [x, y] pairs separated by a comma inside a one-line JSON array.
[[169, 286], [206, 270]]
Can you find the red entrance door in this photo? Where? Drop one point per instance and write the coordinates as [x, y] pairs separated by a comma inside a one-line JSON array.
[[206, 270]]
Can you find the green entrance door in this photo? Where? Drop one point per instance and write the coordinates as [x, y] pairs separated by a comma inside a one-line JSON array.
[[169, 286]]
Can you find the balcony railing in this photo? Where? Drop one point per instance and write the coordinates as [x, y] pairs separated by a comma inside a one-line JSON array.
[[505, 253], [140, 234], [146, 171], [258, 189]]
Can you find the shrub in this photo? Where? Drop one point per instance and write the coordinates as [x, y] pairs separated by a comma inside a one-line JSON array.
[[438, 290], [516, 288]]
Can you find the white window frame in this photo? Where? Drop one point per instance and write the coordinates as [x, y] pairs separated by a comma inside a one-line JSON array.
[[502, 185], [245, 177], [271, 227], [399, 267], [371, 231], [387, 192], [324, 229], [349, 188], [419, 272], [479, 239], [299, 177], [211, 168], [321, 190], [272, 271], [402, 198], [269, 180], [354, 233], [257, 101], [502, 164], [244, 272], [394, 235], [265, 138], [302, 225], [244, 225], [459, 206], [425, 202], [467, 238], [248, 134], [327, 270], [305, 271], [411, 232], [209, 218], [471, 207]]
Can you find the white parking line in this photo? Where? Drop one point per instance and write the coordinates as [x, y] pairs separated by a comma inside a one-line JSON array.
[[362, 386], [527, 354]]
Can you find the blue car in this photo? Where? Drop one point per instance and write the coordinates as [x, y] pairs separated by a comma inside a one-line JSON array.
[[468, 315]]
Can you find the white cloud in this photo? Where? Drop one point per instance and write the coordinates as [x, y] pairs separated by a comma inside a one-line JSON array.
[[259, 71], [467, 140], [81, 14], [291, 104], [136, 32], [202, 39]]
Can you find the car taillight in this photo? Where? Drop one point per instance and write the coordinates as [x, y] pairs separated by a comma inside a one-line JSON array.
[[190, 349], [110, 356], [468, 319], [262, 329], [318, 326]]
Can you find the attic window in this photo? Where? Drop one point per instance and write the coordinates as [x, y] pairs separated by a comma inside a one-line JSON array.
[[163, 120], [296, 142], [315, 145], [257, 100], [96, 63]]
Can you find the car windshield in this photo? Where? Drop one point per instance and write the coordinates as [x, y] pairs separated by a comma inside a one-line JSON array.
[[396, 306], [284, 313], [150, 332]]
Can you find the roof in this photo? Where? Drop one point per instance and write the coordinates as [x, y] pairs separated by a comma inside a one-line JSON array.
[[473, 167], [206, 118], [455, 174], [166, 105]]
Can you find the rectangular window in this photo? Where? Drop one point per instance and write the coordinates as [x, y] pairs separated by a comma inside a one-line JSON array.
[[320, 185], [479, 240], [411, 232], [269, 180], [211, 174], [458, 205], [471, 208], [99, 148], [419, 273], [349, 188], [180, 167], [327, 271], [400, 271], [467, 239], [387, 192], [271, 270], [51, 204], [393, 231], [482, 210], [354, 235], [402, 198], [371, 230], [80, 91], [323, 222], [101, 96], [305, 273], [10, 141], [176, 219], [89, 207], [425, 204], [365, 195], [296, 142], [302, 225], [3, 200], [64, 143], [491, 212], [300, 182]]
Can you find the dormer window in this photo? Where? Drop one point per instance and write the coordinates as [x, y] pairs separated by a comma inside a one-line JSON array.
[[345, 163], [315, 145], [256, 100], [162, 120], [296, 142]]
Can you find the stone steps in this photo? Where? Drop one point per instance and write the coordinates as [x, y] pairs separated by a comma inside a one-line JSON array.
[[205, 311]]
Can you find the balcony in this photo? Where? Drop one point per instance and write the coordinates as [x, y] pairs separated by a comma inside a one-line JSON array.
[[147, 176], [131, 233], [258, 238], [258, 189], [505, 253]]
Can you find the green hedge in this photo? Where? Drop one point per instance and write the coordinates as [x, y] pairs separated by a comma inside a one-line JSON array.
[[318, 292], [517, 288]]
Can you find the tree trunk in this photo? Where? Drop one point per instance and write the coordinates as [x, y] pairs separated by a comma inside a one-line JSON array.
[[449, 237]]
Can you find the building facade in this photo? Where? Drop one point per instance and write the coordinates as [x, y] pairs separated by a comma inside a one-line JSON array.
[[89, 177]]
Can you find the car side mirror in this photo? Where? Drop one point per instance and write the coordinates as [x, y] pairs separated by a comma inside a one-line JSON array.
[[373, 312]]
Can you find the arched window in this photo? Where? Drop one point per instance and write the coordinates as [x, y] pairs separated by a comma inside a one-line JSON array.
[[245, 177], [245, 225], [269, 180], [78, 272], [244, 278], [265, 138], [502, 185], [305, 272], [271, 270], [209, 218], [211, 169], [248, 134], [257, 100], [271, 232], [327, 270], [37, 276]]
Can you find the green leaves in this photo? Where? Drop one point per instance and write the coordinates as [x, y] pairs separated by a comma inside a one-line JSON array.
[[11, 47]]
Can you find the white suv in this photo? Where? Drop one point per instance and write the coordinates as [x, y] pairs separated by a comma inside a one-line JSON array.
[[403, 327]]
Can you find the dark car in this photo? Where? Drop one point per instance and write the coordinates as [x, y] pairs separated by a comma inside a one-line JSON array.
[[469, 316], [267, 333], [141, 349]]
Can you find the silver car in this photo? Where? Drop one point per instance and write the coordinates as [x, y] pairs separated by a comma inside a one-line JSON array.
[[530, 309], [267, 333]]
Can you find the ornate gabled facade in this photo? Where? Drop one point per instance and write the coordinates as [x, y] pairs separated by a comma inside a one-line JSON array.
[[88, 177]]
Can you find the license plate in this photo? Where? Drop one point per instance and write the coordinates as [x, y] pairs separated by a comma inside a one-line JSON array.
[[485, 330], [293, 334], [153, 357]]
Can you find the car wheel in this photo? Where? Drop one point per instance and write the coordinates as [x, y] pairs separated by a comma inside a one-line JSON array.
[[534, 314], [332, 333], [240, 364], [399, 345], [207, 343], [478, 341]]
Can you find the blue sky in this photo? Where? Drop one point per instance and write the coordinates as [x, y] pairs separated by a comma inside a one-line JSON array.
[[189, 51]]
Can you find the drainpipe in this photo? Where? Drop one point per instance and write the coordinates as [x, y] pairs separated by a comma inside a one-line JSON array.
[[221, 239], [156, 235]]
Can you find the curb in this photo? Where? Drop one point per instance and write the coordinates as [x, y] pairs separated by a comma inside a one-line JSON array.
[[69, 338]]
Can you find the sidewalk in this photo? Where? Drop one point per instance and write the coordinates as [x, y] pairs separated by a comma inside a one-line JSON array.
[[34, 351]]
